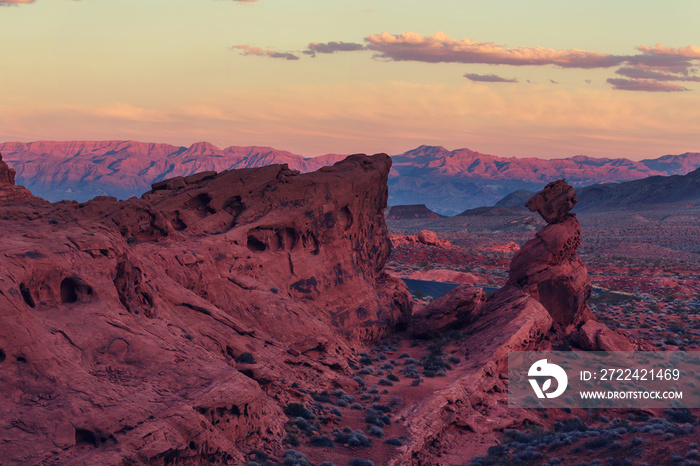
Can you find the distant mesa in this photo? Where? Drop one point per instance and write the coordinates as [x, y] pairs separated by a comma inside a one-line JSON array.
[[405, 212]]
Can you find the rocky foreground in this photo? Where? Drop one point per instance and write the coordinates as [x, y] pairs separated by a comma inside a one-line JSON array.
[[195, 323]]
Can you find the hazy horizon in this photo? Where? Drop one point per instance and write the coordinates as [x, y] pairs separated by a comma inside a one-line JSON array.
[[312, 156]]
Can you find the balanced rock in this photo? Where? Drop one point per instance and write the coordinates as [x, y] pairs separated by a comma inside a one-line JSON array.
[[554, 202], [547, 267], [453, 310]]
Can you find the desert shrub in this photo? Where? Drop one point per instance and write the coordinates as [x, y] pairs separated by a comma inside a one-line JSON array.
[[392, 377], [336, 412], [298, 410], [598, 442], [291, 439], [404, 355], [680, 416], [294, 458], [321, 441], [360, 462], [376, 431], [322, 397], [351, 438], [393, 441]]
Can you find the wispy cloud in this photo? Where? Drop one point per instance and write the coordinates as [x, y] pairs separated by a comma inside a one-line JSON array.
[[488, 78], [645, 85], [14, 2], [439, 47], [645, 73], [250, 50], [332, 47], [650, 70]]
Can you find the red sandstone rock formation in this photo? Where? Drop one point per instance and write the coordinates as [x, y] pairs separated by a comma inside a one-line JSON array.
[[547, 267], [8, 190], [170, 328], [454, 310], [547, 291], [554, 202], [426, 237]]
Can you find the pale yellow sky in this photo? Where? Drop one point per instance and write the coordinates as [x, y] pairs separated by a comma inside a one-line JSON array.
[[542, 78]]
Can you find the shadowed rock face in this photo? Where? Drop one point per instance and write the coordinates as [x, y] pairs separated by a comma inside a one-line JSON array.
[[169, 328], [7, 175]]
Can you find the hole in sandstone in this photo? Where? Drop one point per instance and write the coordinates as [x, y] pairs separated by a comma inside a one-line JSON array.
[[2, 356], [21, 359], [69, 291], [276, 242], [201, 203], [254, 244], [289, 238], [26, 294], [85, 437], [177, 222], [345, 218]]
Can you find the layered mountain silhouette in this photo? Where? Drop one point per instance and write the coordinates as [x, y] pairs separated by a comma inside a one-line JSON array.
[[654, 191], [446, 181]]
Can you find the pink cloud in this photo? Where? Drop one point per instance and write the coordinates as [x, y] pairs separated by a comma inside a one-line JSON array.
[[646, 85], [14, 2], [257, 51], [645, 73], [689, 51], [488, 78], [439, 47]]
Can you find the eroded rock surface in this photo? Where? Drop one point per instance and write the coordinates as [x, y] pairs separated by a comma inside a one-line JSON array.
[[453, 310], [170, 328]]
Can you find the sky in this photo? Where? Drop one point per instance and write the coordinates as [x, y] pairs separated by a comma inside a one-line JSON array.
[[542, 78]]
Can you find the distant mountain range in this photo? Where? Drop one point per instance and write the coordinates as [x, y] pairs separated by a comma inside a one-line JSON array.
[[654, 190], [448, 182]]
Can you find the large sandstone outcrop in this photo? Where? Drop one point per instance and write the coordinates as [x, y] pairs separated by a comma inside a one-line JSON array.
[[170, 328]]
